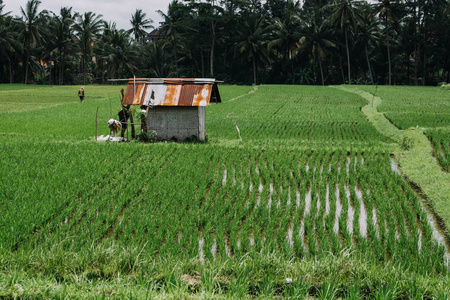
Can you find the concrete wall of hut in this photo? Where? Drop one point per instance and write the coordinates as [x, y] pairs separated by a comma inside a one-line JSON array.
[[179, 122]]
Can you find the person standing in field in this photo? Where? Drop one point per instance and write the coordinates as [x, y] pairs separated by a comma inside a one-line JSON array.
[[81, 94]]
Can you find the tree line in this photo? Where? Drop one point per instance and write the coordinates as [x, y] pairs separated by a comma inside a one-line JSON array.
[[402, 42]]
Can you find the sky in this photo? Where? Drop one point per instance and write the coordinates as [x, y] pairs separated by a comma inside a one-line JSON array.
[[118, 11]]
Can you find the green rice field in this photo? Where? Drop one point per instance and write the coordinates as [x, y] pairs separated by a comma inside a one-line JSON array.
[[313, 193]]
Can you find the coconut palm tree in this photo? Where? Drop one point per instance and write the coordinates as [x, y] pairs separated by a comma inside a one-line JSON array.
[[62, 42], [155, 59], [139, 24], [345, 16], [317, 41], [172, 25], [252, 42], [118, 52], [385, 11], [10, 45], [87, 27], [285, 32], [33, 29], [368, 37]]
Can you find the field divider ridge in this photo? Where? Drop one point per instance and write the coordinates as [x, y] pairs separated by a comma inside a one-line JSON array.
[[254, 89], [416, 160]]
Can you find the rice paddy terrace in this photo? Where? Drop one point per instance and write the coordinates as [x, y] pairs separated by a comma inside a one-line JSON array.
[[317, 191]]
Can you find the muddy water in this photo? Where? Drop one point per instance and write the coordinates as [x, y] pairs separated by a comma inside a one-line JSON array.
[[258, 197], [227, 246], [224, 179], [251, 238], [419, 242], [338, 211], [279, 198], [269, 202], [375, 222], [437, 235], [214, 248], [290, 234], [362, 213], [308, 202], [327, 200], [318, 205], [301, 234], [351, 211], [394, 166]]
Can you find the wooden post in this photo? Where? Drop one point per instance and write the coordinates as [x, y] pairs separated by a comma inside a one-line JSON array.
[[133, 132], [96, 118]]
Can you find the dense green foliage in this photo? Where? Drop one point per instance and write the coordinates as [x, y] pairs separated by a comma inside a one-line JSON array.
[[312, 193], [240, 41]]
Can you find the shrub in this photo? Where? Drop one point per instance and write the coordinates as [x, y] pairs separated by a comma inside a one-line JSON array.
[[147, 137]]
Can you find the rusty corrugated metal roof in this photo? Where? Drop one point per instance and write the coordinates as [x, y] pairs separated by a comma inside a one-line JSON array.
[[171, 92]]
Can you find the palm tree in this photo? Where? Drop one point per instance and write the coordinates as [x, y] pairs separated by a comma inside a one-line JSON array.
[[317, 40], [87, 27], [285, 32], [33, 30], [62, 41], [368, 36], [384, 10], [118, 52], [172, 24], [252, 42], [139, 23], [345, 15], [10, 45]]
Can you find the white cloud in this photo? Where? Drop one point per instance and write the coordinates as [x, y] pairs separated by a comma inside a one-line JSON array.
[[118, 11]]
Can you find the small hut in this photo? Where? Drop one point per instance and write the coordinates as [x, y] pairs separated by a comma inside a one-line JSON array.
[[175, 107]]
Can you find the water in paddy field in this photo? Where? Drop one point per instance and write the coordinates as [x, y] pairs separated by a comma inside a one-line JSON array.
[[338, 211], [327, 200], [394, 166], [362, 213], [318, 205], [214, 248], [375, 222], [351, 211], [362, 218], [439, 237], [251, 238], [227, 246], [224, 179], [269, 202], [258, 198], [290, 234]]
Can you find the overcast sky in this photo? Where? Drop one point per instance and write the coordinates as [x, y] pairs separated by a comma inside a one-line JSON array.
[[118, 11]]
